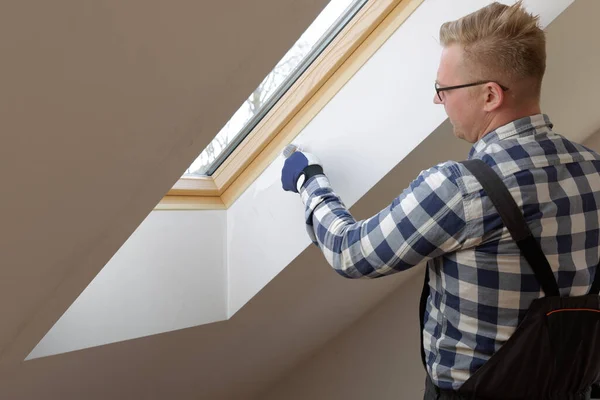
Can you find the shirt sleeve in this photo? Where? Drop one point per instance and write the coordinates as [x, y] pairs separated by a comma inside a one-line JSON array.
[[424, 222]]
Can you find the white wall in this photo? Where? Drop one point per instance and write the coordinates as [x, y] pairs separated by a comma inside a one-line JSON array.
[[170, 274], [378, 118]]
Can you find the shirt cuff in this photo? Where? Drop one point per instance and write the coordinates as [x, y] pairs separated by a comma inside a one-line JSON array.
[[312, 195], [312, 186]]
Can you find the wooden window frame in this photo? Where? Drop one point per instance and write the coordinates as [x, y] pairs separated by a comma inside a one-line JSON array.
[[376, 21]]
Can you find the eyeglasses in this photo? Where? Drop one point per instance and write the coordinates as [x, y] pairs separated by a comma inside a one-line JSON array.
[[439, 89]]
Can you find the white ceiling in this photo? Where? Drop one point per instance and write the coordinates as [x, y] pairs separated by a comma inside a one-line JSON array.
[[104, 104]]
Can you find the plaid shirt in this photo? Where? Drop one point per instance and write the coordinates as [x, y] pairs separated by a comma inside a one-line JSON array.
[[480, 285]]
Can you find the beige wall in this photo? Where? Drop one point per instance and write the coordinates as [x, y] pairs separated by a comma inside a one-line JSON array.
[[376, 358], [593, 142], [570, 89]]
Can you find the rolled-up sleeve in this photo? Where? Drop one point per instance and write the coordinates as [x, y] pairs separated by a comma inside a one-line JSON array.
[[426, 221]]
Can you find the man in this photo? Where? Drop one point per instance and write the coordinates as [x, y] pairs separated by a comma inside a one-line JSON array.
[[481, 287]]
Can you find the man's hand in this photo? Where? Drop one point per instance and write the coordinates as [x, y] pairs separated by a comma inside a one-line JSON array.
[[298, 168]]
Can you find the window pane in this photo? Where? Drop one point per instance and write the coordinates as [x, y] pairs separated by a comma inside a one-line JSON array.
[[318, 35]]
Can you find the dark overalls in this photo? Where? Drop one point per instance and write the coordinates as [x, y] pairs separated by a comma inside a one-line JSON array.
[[555, 351]]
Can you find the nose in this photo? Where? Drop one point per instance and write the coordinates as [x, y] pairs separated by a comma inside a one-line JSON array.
[[436, 99]]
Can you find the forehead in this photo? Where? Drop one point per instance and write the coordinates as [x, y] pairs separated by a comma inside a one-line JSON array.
[[450, 63]]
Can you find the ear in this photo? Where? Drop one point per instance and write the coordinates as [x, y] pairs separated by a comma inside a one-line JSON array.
[[494, 96]]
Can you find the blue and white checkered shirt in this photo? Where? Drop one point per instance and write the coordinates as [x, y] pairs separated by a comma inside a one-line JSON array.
[[481, 286]]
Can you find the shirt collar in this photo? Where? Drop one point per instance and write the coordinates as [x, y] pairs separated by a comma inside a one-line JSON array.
[[527, 125]]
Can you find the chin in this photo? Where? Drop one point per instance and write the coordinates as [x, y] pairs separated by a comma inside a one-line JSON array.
[[461, 135]]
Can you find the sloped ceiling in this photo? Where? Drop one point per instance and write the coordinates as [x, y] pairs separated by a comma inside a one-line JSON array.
[[103, 105]]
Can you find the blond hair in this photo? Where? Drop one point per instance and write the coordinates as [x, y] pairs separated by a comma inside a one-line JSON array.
[[504, 41]]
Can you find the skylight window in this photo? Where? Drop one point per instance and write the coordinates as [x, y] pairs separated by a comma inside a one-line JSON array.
[[313, 41]]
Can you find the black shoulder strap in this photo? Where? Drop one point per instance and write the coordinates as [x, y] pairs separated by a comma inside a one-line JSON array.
[[515, 222]]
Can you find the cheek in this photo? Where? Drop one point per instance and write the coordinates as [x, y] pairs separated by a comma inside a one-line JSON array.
[[458, 111], [452, 112]]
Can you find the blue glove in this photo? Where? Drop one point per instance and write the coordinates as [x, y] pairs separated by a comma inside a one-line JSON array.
[[298, 169]]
